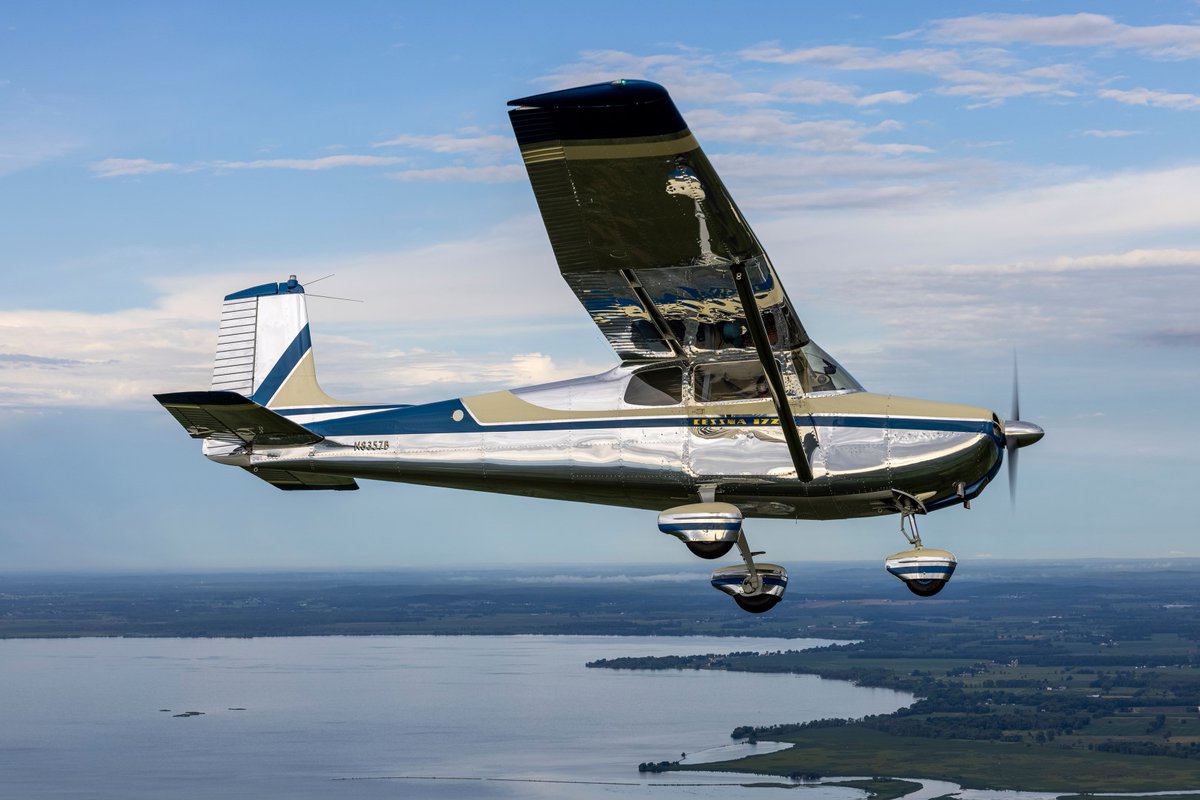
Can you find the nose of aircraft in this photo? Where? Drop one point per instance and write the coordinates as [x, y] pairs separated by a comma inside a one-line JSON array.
[[1019, 433]]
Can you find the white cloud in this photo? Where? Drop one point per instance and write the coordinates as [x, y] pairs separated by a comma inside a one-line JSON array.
[[458, 173], [466, 142], [1152, 97], [850, 197], [960, 73], [817, 92], [781, 128], [1043, 266], [895, 96], [1119, 212], [926, 61], [429, 327], [119, 167], [488, 173], [691, 75], [1167, 258], [1072, 30], [311, 164], [1112, 133], [995, 85]]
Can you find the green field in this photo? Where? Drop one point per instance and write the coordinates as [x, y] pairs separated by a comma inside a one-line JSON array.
[[972, 764]]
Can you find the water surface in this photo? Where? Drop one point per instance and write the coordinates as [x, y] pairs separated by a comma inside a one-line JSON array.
[[386, 716]]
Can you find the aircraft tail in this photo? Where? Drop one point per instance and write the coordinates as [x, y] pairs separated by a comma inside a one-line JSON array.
[[264, 350]]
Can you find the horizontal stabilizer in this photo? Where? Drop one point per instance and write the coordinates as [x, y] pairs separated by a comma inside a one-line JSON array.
[[292, 481], [231, 418]]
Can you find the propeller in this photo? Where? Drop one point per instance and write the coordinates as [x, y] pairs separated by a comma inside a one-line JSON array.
[[1017, 434]]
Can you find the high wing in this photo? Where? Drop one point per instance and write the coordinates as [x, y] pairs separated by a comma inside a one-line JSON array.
[[643, 230]]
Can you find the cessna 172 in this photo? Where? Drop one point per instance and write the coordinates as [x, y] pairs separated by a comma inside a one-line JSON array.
[[722, 407]]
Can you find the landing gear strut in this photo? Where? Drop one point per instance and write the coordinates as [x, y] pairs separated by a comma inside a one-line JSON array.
[[924, 571], [710, 530]]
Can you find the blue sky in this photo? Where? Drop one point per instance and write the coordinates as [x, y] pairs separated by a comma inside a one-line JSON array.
[[937, 185]]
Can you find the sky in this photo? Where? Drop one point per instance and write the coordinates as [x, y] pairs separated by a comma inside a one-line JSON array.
[[938, 185]]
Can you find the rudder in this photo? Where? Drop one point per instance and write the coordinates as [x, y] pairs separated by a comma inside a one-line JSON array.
[[264, 348]]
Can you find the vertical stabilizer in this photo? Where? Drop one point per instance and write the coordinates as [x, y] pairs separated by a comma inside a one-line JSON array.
[[264, 350]]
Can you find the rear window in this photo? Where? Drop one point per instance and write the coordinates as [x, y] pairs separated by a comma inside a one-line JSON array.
[[656, 387]]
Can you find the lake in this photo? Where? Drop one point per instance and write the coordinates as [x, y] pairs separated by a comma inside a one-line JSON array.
[[389, 716]]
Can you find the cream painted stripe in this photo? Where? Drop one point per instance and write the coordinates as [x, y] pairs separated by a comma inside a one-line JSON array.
[[506, 407], [540, 155], [592, 152]]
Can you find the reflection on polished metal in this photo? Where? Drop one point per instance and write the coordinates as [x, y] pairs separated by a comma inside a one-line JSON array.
[[714, 364], [1023, 433], [702, 522]]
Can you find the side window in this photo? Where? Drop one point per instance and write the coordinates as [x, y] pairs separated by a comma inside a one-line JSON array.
[[730, 380], [656, 387]]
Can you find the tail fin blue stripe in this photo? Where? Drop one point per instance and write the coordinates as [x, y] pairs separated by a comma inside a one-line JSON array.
[[283, 367]]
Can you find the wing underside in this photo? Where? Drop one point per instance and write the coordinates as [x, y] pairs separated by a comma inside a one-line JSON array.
[[643, 230]]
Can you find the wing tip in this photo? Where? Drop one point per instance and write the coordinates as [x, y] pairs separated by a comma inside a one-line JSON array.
[[621, 92], [610, 111]]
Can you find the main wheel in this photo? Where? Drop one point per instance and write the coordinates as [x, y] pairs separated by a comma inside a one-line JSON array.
[[756, 603], [925, 588], [709, 550]]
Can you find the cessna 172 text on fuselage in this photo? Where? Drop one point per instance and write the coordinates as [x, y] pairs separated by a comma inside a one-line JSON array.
[[722, 407]]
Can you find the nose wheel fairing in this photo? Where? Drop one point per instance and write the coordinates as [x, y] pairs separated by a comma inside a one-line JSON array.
[[925, 571], [712, 529]]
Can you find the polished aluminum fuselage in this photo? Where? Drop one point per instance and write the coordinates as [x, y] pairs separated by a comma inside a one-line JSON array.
[[579, 440]]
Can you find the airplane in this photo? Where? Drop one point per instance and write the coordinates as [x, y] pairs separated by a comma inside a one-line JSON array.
[[722, 407]]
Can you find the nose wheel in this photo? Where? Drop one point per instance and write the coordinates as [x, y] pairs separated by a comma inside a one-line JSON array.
[[756, 587], [710, 530], [923, 570]]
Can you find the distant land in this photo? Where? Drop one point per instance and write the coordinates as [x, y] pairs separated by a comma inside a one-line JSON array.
[[1060, 677], [824, 599]]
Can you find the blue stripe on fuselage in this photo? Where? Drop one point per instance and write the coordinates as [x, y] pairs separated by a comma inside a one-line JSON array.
[[439, 418]]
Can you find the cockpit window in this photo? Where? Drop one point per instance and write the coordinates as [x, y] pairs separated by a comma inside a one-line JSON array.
[[655, 387], [729, 380], [823, 373]]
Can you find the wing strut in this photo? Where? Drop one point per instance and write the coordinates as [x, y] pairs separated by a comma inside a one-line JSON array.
[[758, 332], [656, 317]]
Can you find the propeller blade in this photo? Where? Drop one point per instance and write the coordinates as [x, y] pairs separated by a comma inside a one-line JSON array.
[[1017, 434], [1016, 396], [1010, 442], [1011, 446]]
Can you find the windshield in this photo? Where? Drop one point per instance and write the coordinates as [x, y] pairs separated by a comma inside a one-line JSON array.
[[824, 373]]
